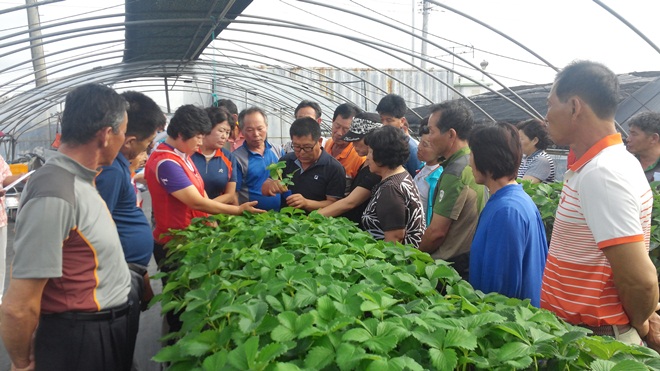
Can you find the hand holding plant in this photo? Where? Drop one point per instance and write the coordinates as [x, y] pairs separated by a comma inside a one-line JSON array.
[[278, 183]]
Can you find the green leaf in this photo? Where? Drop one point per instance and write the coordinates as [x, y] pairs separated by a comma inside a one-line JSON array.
[[168, 354], [280, 366], [443, 359], [629, 365], [285, 259], [381, 344], [356, 334], [245, 355], [520, 363], [573, 335], [432, 340], [257, 312], [468, 307], [512, 351], [271, 351], [283, 333], [186, 365], [319, 357], [303, 323], [390, 328], [326, 308], [292, 326], [480, 319], [405, 362], [215, 361], [304, 298], [193, 347], [274, 303], [199, 270], [540, 335], [341, 322], [379, 364], [601, 365], [348, 356], [459, 338], [513, 329]]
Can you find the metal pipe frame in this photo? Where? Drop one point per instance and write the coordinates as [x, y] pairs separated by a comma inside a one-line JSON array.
[[307, 56], [458, 56], [22, 108], [294, 80]]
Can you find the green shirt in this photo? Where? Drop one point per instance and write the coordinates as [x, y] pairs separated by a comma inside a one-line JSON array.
[[459, 198]]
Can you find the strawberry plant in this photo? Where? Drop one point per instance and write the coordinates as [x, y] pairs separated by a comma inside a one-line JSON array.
[[290, 291], [546, 197], [276, 170]]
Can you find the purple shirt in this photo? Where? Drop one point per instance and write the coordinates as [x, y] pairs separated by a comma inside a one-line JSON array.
[[171, 176]]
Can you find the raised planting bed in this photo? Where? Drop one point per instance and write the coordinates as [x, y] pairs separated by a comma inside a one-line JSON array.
[[291, 291]]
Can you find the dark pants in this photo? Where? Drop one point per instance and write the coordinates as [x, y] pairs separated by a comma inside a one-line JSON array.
[[462, 265], [70, 344], [137, 286], [160, 253]]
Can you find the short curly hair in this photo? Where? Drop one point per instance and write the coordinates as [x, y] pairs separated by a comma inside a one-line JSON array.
[[389, 146], [535, 128], [189, 121]]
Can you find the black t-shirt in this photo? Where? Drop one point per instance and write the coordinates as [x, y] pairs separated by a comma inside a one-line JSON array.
[[365, 179], [324, 178]]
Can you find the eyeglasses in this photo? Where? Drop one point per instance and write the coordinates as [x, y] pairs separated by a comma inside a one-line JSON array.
[[297, 148]]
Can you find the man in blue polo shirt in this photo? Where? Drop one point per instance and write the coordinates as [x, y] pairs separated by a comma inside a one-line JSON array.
[[252, 158], [318, 178], [114, 185]]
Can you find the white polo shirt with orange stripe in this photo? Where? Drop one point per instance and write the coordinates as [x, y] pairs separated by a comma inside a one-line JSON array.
[[605, 201]]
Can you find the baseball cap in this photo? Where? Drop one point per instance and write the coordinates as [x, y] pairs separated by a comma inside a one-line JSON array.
[[362, 124]]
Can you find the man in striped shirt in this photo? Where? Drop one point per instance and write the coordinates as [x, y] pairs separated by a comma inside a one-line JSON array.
[[598, 273]]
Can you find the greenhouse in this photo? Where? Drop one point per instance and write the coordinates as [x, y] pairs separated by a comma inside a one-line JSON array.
[[293, 289]]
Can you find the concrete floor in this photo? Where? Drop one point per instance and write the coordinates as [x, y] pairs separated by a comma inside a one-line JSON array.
[[150, 321]]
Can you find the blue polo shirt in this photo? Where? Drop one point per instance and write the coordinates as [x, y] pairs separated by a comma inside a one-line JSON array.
[[251, 174], [215, 172], [413, 164], [114, 186]]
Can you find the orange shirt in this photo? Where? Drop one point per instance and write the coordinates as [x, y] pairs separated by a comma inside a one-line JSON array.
[[605, 201], [348, 158]]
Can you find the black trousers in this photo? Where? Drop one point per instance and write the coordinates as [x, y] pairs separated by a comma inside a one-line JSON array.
[[71, 344], [160, 253], [134, 296], [462, 265]]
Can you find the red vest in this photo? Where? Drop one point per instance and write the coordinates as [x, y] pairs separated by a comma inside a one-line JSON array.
[[169, 212]]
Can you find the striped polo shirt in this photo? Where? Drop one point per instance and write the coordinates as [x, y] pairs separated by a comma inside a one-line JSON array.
[[605, 201]]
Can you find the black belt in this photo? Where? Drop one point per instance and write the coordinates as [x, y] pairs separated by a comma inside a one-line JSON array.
[[607, 330], [103, 315]]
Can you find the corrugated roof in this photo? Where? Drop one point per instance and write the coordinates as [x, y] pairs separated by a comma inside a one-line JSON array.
[[639, 91], [170, 30]]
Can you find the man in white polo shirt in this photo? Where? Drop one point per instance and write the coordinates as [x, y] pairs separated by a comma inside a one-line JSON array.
[[598, 273]]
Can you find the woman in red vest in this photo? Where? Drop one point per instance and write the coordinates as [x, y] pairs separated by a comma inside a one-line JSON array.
[[176, 187]]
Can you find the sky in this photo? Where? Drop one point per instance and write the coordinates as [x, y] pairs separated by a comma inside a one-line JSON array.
[[558, 30]]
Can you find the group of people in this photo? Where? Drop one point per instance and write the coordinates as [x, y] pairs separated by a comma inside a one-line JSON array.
[[79, 277]]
